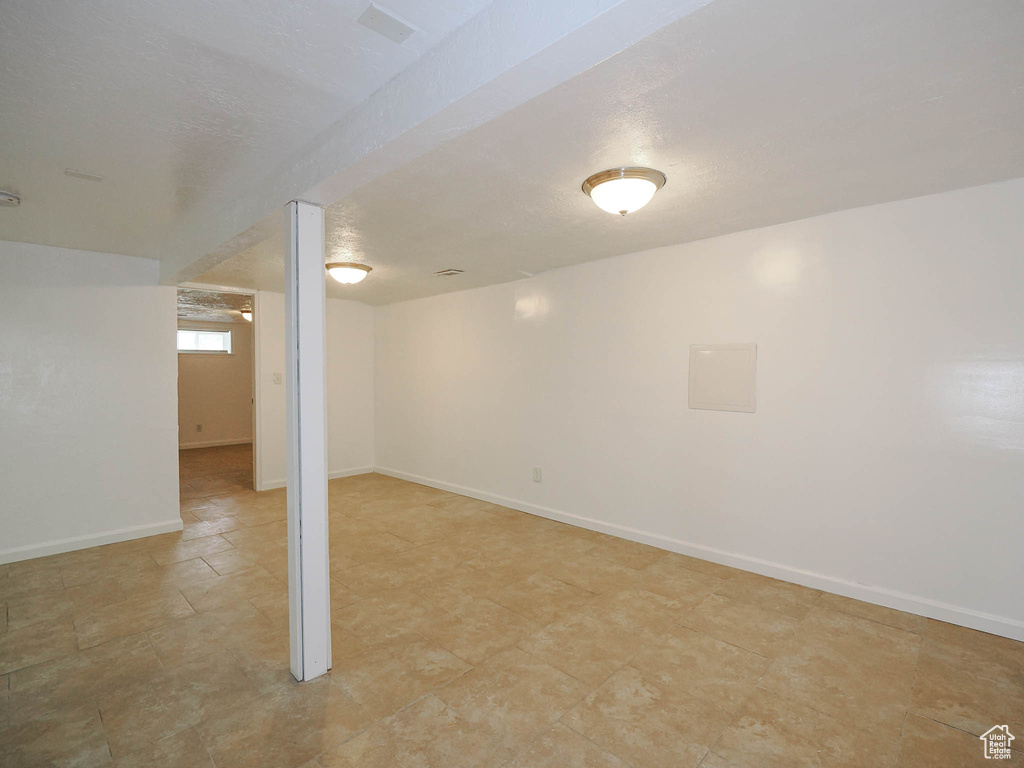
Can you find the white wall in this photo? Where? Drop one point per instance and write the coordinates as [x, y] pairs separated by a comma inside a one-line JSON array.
[[216, 390], [88, 424], [886, 457], [350, 439], [350, 448]]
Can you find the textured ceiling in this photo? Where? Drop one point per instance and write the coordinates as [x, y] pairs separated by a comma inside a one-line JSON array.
[[503, 56], [177, 104], [758, 113], [212, 306]]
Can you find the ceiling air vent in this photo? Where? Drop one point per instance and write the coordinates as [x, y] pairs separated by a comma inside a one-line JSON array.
[[449, 272], [82, 175], [385, 23]]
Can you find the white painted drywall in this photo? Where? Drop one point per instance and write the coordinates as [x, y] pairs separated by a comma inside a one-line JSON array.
[[88, 424], [350, 441], [886, 457], [216, 390]]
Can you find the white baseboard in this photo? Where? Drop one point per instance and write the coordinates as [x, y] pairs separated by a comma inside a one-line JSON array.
[[92, 540], [271, 485], [922, 606], [349, 472], [213, 443]]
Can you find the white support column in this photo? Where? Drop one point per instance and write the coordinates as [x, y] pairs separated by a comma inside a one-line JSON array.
[[309, 605]]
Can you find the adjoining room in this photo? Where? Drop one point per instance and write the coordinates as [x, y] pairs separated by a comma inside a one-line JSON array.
[[216, 376], [502, 384]]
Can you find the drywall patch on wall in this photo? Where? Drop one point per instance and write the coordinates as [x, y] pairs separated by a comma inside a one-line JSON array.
[[869, 462], [88, 416], [723, 377]]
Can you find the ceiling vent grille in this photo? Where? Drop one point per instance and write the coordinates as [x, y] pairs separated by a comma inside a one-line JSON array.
[[82, 175], [449, 272], [386, 23]]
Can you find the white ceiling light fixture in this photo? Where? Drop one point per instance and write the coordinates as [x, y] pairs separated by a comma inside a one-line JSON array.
[[347, 272], [623, 190], [9, 199]]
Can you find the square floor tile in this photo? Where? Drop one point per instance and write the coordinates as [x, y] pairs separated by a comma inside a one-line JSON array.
[[772, 732], [426, 735], [644, 723], [856, 670]]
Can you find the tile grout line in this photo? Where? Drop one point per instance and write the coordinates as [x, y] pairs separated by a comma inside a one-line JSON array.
[[739, 709]]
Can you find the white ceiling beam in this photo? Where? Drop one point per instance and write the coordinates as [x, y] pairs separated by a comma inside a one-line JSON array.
[[504, 56]]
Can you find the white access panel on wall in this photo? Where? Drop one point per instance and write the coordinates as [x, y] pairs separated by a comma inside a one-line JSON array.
[[723, 376]]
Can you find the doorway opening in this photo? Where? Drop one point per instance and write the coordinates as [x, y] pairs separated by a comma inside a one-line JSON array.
[[216, 392]]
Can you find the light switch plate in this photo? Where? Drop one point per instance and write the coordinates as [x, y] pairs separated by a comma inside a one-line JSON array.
[[723, 377]]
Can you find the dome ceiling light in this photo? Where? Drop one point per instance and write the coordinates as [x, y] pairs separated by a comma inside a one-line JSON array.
[[347, 272], [623, 190]]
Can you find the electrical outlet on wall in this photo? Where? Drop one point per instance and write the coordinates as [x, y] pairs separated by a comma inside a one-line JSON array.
[[279, 378], [536, 475], [199, 427]]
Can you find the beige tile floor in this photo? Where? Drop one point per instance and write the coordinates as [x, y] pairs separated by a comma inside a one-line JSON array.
[[467, 634]]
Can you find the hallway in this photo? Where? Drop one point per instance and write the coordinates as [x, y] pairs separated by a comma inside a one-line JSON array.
[[205, 472]]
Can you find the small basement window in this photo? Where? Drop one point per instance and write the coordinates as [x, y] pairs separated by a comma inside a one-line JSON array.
[[208, 342]]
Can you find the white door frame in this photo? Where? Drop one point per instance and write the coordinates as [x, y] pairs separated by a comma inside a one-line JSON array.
[[257, 475]]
